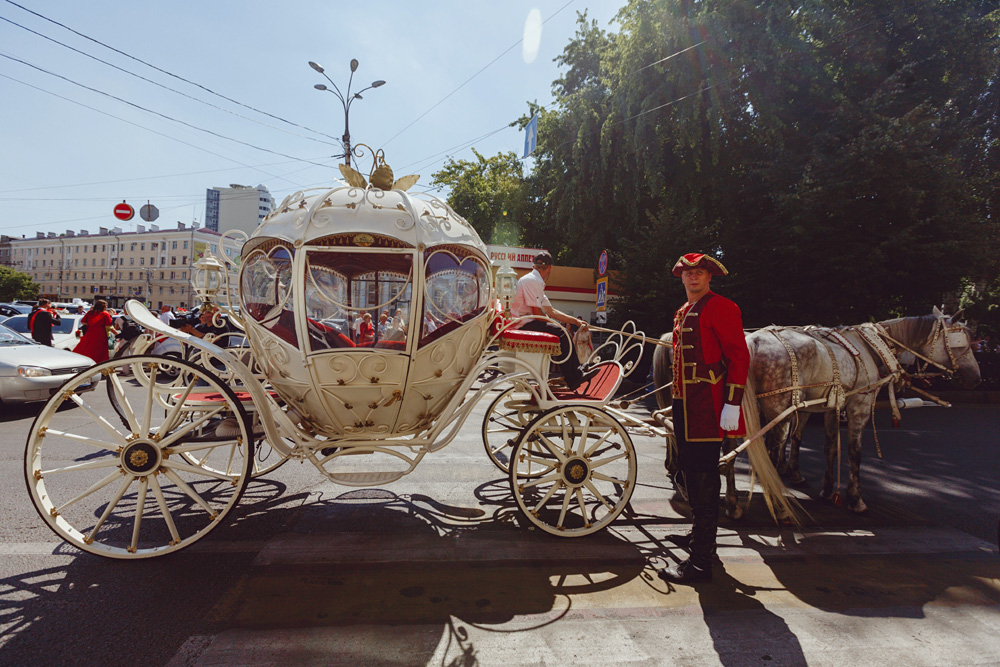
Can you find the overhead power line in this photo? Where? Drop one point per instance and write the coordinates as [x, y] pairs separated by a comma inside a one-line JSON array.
[[171, 74], [155, 113], [173, 90]]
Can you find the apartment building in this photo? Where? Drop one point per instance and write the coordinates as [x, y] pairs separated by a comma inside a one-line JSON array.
[[151, 265], [237, 207]]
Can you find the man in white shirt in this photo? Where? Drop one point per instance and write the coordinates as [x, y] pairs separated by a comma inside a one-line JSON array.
[[530, 300], [165, 315]]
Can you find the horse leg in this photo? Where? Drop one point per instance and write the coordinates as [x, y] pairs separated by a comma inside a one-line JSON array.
[[733, 509], [795, 477], [857, 417], [831, 422], [774, 441]]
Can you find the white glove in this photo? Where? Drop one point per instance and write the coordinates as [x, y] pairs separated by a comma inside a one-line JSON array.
[[730, 419]]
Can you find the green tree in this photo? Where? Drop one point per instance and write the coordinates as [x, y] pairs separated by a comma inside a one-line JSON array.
[[489, 192], [16, 285]]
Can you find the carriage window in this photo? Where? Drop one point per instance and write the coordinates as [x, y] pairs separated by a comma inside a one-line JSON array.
[[342, 287], [266, 292], [457, 289]]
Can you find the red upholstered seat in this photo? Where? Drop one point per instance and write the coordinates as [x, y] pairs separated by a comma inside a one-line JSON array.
[[529, 341]]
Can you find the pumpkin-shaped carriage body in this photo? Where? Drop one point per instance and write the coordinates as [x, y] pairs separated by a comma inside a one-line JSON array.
[[317, 277]]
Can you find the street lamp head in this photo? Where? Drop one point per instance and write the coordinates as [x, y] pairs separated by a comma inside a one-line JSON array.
[[358, 96], [316, 66], [376, 84], [354, 64], [319, 86]]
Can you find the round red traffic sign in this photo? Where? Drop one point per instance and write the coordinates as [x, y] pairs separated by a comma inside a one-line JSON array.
[[124, 212]]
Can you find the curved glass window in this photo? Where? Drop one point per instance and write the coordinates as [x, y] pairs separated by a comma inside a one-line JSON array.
[[358, 299], [266, 292], [456, 289]]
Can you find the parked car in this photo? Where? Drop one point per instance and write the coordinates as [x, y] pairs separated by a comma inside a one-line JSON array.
[[12, 309], [30, 371], [63, 335]]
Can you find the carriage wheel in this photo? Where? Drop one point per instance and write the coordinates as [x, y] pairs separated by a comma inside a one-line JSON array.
[[130, 491], [589, 470], [505, 419]]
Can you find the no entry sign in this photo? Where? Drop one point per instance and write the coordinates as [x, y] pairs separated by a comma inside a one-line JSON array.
[[124, 212]]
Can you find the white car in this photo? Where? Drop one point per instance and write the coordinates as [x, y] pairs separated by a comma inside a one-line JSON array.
[[30, 371], [63, 335]]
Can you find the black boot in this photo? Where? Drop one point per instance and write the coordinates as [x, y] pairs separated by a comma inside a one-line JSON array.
[[685, 572], [703, 490]]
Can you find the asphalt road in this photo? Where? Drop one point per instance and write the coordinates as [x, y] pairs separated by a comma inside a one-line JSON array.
[[439, 568]]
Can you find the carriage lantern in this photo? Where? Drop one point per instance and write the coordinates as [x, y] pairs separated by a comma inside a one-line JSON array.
[[506, 285], [207, 277]]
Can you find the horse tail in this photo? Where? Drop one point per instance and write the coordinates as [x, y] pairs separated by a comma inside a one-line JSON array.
[[782, 506]]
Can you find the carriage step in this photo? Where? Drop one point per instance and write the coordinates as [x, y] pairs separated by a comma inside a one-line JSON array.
[[364, 478]]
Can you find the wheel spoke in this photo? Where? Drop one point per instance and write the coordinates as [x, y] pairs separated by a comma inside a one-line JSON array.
[[565, 506], [555, 487], [139, 506], [100, 444], [585, 429], [186, 467], [187, 428], [541, 480], [119, 438], [97, 486], [542, 462], [604, 462], [197, 446], [164, 510], [119, 390], [169, 423], [613, 480], [582, 504], [92, 465], [112, 504], [597, 444], [147, 412], [551, 446], [593, 489], [191, 493]]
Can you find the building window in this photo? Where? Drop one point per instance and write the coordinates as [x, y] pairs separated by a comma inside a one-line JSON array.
[[184, 259], [130, 275], [171, 275], [173, 246], [173, 260], [95, 248], [185, 245], [142, 246], [131, 261]]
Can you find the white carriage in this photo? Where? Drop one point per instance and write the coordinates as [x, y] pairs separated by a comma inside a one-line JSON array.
[[160, 457]]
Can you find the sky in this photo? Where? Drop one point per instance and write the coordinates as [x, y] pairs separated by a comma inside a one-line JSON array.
[[457, 73]]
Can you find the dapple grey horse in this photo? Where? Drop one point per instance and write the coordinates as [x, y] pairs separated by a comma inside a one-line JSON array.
[[848, 367]]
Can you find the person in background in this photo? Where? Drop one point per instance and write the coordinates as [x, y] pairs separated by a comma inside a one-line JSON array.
[[41, 320], [206, 324], [94, 343], [366, 330], [530, 300], [165, 315], [383, 325]]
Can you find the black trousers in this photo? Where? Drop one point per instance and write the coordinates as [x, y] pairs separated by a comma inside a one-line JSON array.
[[699, 465], [570, 368]]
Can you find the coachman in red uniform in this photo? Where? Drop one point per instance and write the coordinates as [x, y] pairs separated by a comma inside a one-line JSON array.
[[710, 365]]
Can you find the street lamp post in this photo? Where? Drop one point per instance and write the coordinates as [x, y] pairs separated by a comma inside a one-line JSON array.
[[345, 101]]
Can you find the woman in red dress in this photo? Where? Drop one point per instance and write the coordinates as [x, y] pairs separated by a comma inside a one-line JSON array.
[[94, 343], [366, 331]]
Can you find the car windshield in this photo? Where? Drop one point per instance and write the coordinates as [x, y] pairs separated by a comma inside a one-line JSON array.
[[19, 323], [9, 337]]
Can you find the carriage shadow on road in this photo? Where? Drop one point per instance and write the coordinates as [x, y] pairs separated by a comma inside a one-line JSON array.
[[370, 576]]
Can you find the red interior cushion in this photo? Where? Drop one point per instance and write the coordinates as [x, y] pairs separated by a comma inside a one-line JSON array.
[[530, 336]]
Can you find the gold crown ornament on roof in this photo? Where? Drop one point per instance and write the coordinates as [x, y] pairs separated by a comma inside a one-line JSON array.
[[380, 177]]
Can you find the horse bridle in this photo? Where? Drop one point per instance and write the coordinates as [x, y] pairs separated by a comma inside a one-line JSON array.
[[941, 328]]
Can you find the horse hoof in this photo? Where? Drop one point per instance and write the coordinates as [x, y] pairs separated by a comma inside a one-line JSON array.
[[798, 481], [734, 513], [859, 507]]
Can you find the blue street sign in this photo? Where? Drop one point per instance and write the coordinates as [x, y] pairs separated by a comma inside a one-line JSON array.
[[602, 293], [530, 135], [602, 264]]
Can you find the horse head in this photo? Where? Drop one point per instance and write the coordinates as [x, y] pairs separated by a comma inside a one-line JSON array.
[[951, 346]]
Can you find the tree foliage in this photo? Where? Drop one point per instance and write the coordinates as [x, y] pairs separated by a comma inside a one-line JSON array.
[[841, 158], [16, 285]]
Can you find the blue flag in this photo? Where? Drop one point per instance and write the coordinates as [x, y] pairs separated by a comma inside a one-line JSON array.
[[530, 135]]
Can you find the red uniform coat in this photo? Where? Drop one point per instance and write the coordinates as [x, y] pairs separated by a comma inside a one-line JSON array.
[[710, 365], [94, 343]]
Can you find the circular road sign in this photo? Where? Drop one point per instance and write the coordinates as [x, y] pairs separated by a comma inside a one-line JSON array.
[[124, 212], [149, 213], [602, 263]]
